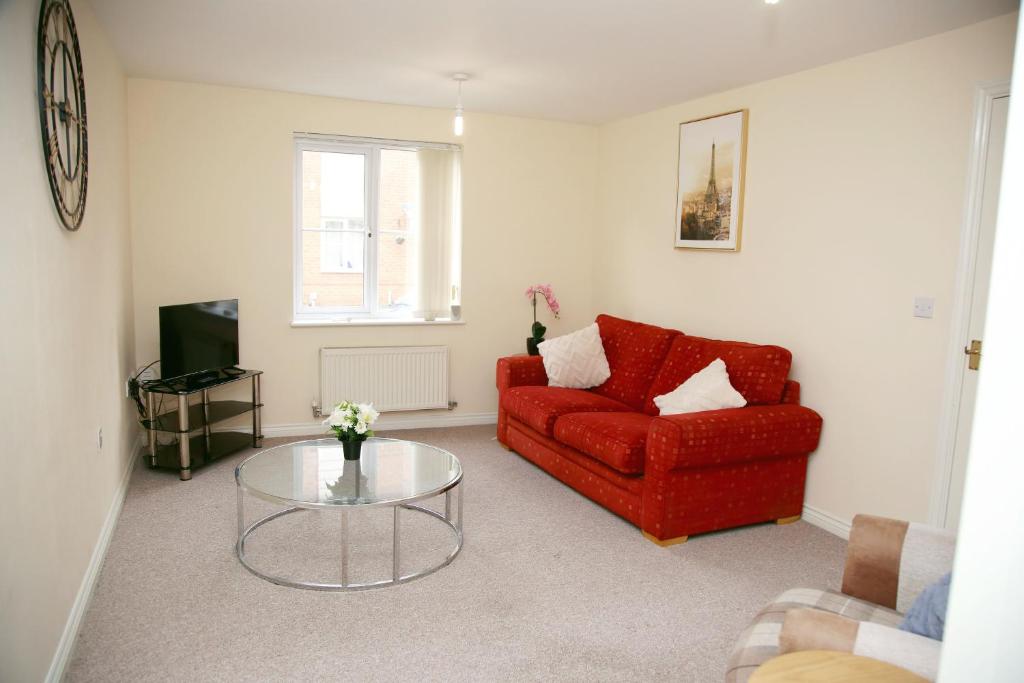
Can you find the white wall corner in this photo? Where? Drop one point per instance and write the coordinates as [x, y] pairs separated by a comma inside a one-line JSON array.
[[66, 645], [826, 521]]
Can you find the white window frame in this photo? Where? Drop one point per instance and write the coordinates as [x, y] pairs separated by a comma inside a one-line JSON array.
[[371, 149], [301, 309], [325, 265]]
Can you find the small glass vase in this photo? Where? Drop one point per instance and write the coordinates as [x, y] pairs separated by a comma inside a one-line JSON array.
[[352, 449]]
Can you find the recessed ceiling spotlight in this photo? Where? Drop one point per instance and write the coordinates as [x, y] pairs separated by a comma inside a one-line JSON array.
[[771, 2], [460, 79]]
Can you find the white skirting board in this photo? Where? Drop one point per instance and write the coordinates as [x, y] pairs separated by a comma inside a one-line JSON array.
[[390, 421], [92, 572], [824, 520]]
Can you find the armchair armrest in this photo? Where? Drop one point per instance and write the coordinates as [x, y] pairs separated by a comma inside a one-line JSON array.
[[732, 436], [815, 629], [812, 629], [889, 561], [521, 371]]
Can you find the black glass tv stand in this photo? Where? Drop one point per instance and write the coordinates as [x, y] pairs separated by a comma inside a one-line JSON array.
[[196, 443]]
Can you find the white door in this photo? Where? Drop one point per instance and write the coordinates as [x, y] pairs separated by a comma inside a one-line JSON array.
[[978, 302]]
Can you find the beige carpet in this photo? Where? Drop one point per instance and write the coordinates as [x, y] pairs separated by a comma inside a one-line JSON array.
[[549, 586]]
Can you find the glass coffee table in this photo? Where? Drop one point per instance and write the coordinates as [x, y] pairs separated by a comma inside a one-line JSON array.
[[313, 475]]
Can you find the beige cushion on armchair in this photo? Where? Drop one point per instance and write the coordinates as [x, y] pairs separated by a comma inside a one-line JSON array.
[[889, 562]]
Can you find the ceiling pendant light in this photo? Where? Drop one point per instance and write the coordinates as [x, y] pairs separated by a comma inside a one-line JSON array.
[[459, 125]]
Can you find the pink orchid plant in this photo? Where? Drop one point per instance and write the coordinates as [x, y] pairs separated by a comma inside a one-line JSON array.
[[549, 297], [538, 328]]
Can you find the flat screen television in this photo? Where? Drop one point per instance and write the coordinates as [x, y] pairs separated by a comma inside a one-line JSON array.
[[198, 337]]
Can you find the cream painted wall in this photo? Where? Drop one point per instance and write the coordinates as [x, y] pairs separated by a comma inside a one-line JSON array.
[[837, 156], [66, 303], [211, 199], [855, 187]]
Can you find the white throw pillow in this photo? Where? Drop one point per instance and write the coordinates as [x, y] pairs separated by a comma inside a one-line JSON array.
[[576, 360], [708, 389]]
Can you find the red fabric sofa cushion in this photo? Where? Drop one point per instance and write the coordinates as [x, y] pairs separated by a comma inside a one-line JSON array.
[[616, 439], [757, 371], [635, 351], [599, 483], [593, 467], [539, 407]]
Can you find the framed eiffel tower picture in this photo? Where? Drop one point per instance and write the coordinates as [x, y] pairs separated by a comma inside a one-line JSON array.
[[709, 196]]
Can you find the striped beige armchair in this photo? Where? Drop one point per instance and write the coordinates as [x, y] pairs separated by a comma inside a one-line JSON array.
[[888, 563]]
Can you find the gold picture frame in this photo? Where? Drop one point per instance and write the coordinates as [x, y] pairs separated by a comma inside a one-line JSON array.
[[709, 182]]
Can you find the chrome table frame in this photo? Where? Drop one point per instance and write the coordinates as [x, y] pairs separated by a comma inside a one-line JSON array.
[[454, 524]]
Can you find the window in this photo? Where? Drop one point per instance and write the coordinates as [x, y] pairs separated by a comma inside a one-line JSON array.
[[377, 229], [341, 245]]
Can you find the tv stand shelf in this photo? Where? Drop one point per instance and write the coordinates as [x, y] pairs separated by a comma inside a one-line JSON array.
[[196, 443], [216, 411]]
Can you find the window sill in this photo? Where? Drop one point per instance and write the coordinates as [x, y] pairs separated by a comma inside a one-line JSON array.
[[372, 322]]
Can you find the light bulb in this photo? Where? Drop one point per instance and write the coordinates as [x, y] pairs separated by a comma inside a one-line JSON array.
[[459, 124]]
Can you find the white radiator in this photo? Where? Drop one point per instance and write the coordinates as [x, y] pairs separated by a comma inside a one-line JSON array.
[[390, 377]]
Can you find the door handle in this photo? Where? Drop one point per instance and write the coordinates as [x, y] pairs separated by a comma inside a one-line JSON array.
[[974, 354]]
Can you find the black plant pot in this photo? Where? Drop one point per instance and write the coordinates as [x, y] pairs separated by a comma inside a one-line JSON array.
[[352, 449], [531, 346]]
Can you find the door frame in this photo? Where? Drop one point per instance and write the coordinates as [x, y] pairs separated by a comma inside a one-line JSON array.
[[984, 97]]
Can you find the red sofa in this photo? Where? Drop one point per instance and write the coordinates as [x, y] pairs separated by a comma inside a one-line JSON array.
[[671, 476]]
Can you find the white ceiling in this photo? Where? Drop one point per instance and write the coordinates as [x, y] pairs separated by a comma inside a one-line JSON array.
[[577, 60]]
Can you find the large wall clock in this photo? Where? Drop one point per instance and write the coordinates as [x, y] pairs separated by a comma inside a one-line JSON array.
[[62, 111]]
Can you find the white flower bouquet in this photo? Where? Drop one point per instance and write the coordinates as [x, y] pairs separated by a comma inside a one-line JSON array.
[[351, 421]]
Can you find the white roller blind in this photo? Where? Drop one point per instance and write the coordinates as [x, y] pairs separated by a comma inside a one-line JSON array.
[[440, 230]]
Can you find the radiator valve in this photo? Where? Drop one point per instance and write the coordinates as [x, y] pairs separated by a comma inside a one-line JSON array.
[[316, 409]]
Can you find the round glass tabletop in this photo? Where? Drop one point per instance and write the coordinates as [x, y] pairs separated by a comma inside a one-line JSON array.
[[316, 474]]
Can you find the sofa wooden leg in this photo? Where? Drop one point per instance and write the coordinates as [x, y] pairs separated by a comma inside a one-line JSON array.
[[667, 542], [506, 447], [788, 520]]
